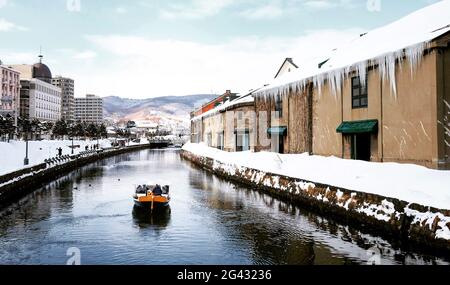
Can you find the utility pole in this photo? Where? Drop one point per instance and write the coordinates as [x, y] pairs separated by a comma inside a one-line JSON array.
[[26, 161]]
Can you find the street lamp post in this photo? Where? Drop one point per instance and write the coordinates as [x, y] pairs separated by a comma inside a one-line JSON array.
[[26, 161], [26, 129]]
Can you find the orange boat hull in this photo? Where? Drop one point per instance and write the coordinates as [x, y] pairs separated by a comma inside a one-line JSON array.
[[152, 201]]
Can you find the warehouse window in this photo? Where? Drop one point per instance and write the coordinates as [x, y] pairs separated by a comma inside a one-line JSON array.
[[279, 107], [359, 93]]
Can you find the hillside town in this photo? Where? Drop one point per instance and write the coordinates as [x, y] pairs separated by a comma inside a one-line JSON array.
[[35, 106]]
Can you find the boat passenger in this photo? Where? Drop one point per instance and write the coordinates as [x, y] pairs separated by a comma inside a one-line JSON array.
[[157, 191], [141, 189]]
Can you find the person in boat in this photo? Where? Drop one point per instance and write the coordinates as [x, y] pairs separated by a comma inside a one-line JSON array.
[[141, 189], [157, 191]]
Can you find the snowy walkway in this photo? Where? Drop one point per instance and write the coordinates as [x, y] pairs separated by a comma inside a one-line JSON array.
[[12, 154], [410, 183]]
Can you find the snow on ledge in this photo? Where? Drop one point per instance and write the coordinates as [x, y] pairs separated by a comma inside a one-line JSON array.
[[406, 182]]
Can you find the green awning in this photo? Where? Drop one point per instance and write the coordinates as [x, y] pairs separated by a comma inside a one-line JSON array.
[[358, 127], [280, 131]]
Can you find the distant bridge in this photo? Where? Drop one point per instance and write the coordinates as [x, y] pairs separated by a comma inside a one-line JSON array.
[[160, 143]]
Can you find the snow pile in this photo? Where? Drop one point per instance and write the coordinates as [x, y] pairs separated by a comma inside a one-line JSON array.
[[381, 212], [410, 183], [429, 218], [407, 37], [13, 153]]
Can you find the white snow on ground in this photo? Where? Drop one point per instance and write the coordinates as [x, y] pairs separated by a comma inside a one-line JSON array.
[[12, 154], [407, 182]]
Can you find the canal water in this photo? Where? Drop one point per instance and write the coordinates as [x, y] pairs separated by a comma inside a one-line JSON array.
[[211, 221]]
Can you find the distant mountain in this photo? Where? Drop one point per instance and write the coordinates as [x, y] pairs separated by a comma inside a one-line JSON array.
[[162, 110]]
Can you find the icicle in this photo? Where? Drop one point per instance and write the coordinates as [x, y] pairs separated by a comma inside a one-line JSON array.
[[331, 82], [340, 79], [334, 79], [414, 55], [390, 69], [362, 72], [318, 83], [386, 69]]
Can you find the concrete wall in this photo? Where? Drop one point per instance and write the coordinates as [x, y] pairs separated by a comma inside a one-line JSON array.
[[263, 109], [327, 116], [240, 117], [26, 71], [296, 111], [266, 118], [211, 127], [196, 131], [300, 124], [244, 118], [409, 122]]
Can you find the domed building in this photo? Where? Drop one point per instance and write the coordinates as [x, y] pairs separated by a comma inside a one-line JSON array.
[[38, 70], [39, 98], [42, 72]]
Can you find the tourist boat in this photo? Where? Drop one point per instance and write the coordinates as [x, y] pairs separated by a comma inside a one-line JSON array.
[[152, 196]]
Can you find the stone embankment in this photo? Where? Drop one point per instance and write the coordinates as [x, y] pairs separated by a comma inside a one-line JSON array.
[[411, 224]]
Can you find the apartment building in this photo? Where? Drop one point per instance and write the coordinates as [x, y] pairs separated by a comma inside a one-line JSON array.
[[10, 91], [89, 109], [67, 86]]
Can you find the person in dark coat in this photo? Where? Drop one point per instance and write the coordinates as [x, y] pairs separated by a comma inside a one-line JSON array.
[[157, 191]]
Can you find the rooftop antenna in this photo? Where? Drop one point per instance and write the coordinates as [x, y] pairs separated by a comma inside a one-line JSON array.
[[40, 54]]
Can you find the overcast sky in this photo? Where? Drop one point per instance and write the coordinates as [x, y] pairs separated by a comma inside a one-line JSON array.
[[151, 48]]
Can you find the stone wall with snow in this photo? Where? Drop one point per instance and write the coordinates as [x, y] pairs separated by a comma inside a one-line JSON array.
[[421, 225]]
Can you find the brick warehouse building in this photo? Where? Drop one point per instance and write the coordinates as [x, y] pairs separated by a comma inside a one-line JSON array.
[[376, 100]]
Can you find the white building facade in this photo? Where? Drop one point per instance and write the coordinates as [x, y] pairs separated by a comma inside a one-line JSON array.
[[287, 67], [89, 109], [40, 100]]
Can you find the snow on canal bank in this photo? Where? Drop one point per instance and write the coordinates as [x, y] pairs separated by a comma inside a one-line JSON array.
[[12, 154], [410, 183]]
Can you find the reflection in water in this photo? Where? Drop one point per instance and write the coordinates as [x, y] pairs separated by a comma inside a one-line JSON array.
[[211, 221], [145, 218]]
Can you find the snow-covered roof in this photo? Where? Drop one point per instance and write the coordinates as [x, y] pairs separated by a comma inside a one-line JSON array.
[[382, 46], [242, 99]]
